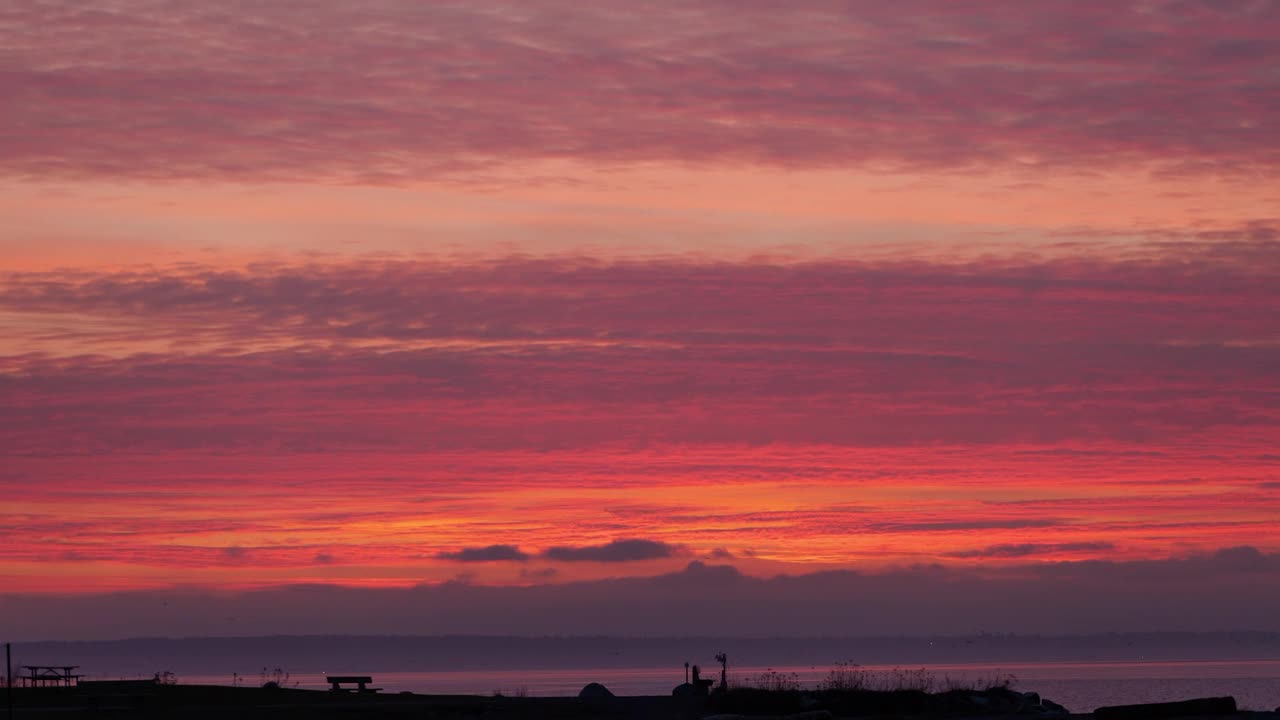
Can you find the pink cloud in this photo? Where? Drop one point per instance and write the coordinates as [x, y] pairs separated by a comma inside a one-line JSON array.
[[559, 353], [1106, 406], [403, 91]]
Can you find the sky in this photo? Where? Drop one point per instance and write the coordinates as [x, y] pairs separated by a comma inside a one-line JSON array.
[[402, 315]]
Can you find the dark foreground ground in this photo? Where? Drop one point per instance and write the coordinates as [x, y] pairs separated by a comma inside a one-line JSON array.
[[251, 703]]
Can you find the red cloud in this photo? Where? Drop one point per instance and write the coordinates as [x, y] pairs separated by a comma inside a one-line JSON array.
[[817, 413], [554, 354]]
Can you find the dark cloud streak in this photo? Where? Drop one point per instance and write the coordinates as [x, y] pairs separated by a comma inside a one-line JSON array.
[[1031, 549], [489, 553], [617, 551]]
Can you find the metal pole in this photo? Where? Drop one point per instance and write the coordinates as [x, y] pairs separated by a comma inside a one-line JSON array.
[[8, 678]]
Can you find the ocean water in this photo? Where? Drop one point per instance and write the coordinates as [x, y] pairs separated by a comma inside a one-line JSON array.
[[1079, 686]]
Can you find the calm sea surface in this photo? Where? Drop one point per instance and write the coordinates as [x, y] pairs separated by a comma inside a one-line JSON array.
[[1080, 687]]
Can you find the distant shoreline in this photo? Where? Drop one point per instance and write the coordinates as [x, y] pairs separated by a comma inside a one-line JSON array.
[[204, 655]]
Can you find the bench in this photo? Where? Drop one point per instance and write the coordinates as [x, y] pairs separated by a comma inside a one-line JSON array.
[[361, 682]]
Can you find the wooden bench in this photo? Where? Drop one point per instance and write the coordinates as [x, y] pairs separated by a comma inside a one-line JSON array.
[[361, 682]]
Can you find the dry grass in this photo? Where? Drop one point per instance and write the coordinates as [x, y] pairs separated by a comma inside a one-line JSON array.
[[775, 681], [849, 677]]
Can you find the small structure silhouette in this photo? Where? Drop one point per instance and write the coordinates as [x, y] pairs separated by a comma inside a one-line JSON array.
[[361, 683], [724, 672], [50, 676], [697, 686]]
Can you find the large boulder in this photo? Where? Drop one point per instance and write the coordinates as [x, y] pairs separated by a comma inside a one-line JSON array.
[[594, 691], [1157, 711], [1053, 708], [807, 715]]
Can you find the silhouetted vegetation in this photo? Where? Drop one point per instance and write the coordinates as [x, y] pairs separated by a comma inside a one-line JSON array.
[[848, 676], [774, 681], [849, 690], [520, 691], [274, 679]]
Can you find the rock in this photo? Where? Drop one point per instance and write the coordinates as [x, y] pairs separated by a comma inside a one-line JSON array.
[[809, 715], [1003, 700], [594, 691], [1050, 707], [1156, 711]]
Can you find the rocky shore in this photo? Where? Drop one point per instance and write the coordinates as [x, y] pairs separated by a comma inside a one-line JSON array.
[[200, 702]]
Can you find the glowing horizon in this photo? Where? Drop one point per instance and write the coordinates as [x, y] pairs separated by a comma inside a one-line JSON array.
[[522, 295]]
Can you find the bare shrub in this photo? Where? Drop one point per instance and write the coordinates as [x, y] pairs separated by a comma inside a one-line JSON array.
[[846, 677], [275, 679], [849, 677]]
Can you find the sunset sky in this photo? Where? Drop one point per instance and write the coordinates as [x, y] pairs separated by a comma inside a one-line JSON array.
[[497, 294]]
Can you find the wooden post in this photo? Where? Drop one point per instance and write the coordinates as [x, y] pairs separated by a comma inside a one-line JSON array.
[[8, 678]]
